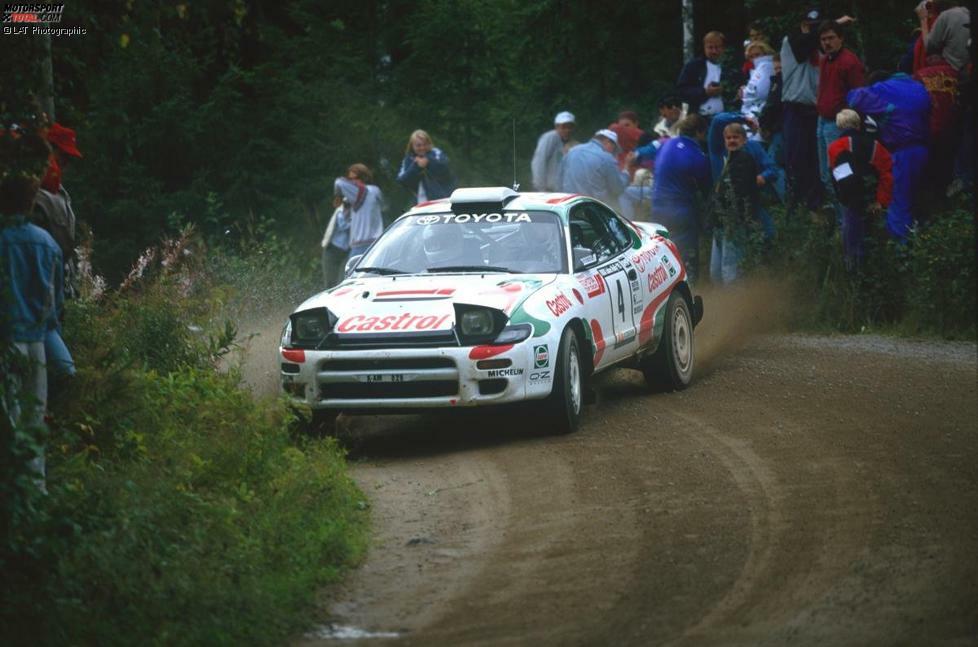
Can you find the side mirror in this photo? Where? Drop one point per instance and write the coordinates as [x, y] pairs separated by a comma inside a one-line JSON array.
[[351, 263]]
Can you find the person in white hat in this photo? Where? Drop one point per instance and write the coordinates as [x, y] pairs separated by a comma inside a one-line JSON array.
[[591, 169], [551, 148]]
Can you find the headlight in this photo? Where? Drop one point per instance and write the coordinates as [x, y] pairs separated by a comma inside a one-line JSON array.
[[310, 327], [476, 323]]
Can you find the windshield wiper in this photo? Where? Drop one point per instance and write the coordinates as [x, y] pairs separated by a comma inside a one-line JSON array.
[[472, 268], [379, 270]]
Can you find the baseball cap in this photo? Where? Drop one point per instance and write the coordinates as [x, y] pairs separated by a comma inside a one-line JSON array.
[[610, 134], [564, 118], [813, 15], [64, 139]]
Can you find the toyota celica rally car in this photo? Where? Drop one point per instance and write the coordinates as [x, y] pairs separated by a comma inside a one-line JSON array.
[[492, 297]]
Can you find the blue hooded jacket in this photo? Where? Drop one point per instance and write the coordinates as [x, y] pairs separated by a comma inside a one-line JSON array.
[[901, 107]]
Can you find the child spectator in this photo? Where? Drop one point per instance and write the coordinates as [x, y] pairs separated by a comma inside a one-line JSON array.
[[854, 158]]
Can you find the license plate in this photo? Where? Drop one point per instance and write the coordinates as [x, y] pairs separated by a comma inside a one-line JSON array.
[[385, 377]]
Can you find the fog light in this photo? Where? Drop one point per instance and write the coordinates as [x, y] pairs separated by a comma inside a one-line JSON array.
[[486, 364]]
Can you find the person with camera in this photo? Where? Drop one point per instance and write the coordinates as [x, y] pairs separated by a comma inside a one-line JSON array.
[[703, 80]]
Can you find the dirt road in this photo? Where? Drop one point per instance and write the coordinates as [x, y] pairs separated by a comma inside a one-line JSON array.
[[804, 490]]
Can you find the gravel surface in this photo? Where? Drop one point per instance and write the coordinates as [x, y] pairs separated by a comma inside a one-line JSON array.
[[804, 490]]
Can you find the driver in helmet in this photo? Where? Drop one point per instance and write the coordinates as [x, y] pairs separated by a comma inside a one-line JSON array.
[[444, 245], [538, 247]]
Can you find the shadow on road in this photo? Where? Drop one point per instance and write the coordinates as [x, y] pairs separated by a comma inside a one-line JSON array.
[[432, 434]]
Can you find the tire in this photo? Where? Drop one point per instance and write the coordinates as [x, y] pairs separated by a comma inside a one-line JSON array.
[[670, 368], [566, 402], [323, 422]]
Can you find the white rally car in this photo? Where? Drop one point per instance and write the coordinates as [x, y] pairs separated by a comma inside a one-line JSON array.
[[492, 297]]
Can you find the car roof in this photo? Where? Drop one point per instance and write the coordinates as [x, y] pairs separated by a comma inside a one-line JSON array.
[[500, 199]]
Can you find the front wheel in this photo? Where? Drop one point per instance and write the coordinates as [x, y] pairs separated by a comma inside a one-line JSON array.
[[566, 400], [671, 367], [323, 423]]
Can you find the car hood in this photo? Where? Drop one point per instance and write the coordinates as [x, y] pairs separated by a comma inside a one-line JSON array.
[[420, 303]]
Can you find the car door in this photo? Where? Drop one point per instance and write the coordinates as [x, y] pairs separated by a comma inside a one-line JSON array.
[[611, 292]]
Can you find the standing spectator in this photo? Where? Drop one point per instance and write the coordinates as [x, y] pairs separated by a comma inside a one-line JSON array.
[[52, 207], [941, 82], [854, 158], [735, 207], [636, 201], [682, 172], [424, 171], [901, 108], [591, 169], [551, 148], [336, 245], [701, 81], [671, 111], [949, 38], [839, 72], [755, 33], [31, 275], [755, 93], [799, 65], [53, 213], [951, 32], [364, 206]]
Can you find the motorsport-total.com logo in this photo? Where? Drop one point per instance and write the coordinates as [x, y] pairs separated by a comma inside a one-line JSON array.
[[35, 19]]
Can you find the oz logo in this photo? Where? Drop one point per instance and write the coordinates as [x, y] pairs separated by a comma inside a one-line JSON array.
[[428, 220], [541, 356]]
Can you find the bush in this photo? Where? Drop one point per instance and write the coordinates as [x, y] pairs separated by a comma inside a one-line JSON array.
[[923, 286], [179, 509]]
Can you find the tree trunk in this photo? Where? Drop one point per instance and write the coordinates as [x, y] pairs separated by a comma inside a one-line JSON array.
[[47, 78], [689, 44]]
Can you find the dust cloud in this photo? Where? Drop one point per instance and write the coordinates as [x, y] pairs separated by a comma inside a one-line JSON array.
[[733, 314], [257, 358]]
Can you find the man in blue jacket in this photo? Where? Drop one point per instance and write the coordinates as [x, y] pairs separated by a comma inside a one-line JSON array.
[[591, 169], [901, 108], [682, 171], [31, 283]]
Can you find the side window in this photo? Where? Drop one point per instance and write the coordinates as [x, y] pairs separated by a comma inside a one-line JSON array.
[[597, 235], [619, 230]]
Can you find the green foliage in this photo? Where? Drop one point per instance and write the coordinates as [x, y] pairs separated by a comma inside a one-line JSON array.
[[179, 508], [923, 286], [941, 291]]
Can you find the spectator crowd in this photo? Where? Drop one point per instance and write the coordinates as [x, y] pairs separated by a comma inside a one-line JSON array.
[[800, 123]]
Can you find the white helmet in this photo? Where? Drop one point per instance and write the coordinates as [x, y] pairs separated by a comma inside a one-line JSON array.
[[442, 243]]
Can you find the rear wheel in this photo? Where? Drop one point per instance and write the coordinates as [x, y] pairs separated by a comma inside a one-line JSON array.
[[567, 399], [670, 368]]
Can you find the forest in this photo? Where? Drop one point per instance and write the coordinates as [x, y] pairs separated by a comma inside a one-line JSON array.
[[236, 115]]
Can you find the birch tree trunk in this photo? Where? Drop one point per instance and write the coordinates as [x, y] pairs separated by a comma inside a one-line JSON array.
[[689, 45]]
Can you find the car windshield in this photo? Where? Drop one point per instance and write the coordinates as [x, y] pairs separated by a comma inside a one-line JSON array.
[[525, 242]]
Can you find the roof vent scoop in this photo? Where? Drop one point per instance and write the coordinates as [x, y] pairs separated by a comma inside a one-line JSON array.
[[494, 198]]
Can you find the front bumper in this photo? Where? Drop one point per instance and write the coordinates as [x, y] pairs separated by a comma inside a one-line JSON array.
[[413, 378]]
